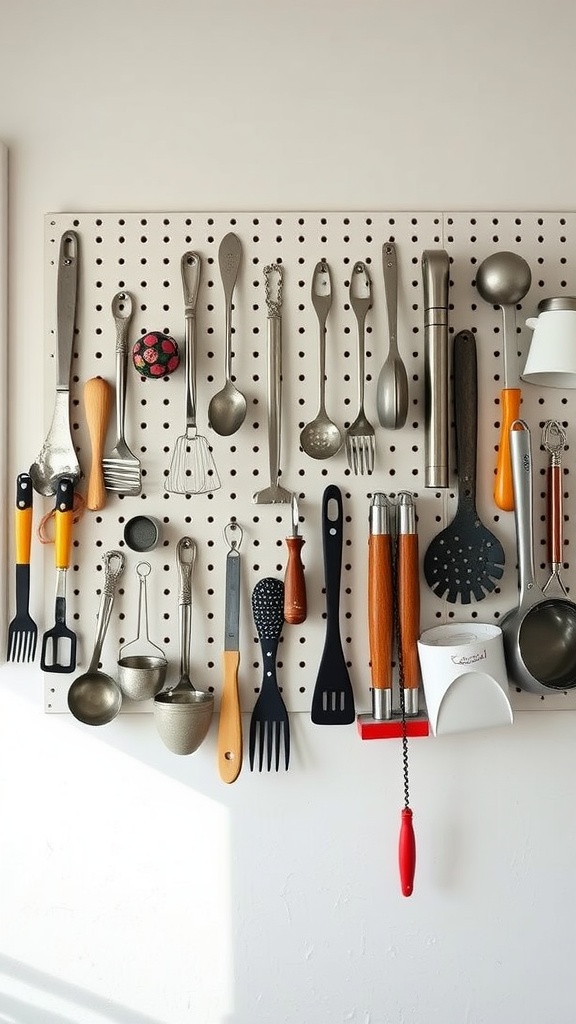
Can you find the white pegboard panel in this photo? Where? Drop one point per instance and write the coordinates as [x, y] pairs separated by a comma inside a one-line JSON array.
[[141, 253]]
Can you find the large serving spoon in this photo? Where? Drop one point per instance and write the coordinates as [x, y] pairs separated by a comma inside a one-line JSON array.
[[227, 408], [321, 438], [503, 279], [392, 386]]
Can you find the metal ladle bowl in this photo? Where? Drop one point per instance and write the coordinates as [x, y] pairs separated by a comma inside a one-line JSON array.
[[94, 697]]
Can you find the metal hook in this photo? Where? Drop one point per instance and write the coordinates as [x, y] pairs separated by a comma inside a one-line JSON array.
[[230, 528]]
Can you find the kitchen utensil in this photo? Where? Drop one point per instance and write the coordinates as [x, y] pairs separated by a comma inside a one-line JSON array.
[[122, 469], [554, 441], [97, 402], [435, 274], [333, 696], [227, 408], [274, 493], [380, 605], [321, 438], [360, 442], [408, 589], [269, 725], [182, 713], [551, 360], [465, 560], [141, 664], [192, 468], [392, 386], [94, 697], [57, 457], [142, 533], [295, 603], [540, 634], [22, 631], [503, 280], [59, 643], [230, 724]]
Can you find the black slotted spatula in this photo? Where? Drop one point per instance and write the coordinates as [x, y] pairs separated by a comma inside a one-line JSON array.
[[333, 696], [465, 561]]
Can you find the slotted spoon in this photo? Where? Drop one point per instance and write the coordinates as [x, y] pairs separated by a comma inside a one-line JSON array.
[[465, 560]]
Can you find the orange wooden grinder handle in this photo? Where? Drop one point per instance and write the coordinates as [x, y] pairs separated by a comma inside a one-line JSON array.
[[295, 605], [230, 725], [409, 607], [97, 401], [380, 618], [510, 399]]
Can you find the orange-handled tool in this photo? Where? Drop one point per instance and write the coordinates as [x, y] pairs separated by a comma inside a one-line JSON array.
[[380, 606], [295, 604], [97, 402], [503, 279], [230, 724], [408, 600]]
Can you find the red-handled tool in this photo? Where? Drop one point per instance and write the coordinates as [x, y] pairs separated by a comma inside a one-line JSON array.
[[408, 668], [295, 604], [554, 441], [380, 606], [407, 853]]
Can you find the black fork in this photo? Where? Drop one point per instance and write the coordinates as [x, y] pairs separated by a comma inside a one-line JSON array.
[[23, 631], [269, 725]]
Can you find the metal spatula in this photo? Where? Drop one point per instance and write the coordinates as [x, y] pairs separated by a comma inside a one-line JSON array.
[[333, 697], [465, 560], [121, 468]]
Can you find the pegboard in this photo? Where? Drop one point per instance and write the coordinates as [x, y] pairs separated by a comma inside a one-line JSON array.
[[141, 253]]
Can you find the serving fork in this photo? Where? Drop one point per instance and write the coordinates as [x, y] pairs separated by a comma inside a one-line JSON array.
[[360, 441]]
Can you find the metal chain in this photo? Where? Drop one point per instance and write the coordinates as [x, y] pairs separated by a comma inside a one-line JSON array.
[[274, 305], [397, 631]]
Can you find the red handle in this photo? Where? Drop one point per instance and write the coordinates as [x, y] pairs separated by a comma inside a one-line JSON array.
[[295, 608], [555, 514], [407, 853]]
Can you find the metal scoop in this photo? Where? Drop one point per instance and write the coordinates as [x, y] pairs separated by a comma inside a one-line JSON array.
[[141, 664], [94, 697], [58, 457]]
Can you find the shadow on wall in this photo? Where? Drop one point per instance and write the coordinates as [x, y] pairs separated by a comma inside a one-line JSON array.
[[24, 993]]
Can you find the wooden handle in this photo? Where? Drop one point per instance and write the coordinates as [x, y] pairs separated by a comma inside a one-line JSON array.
[[97, 402], [295, 608], [230, 725], [380, 609], [409, 607], [510, 399]]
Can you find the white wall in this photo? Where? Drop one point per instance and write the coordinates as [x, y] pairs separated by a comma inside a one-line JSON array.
[[136, 887]]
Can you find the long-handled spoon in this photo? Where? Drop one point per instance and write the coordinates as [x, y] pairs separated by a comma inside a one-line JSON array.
[[321, 438], [227, 408]]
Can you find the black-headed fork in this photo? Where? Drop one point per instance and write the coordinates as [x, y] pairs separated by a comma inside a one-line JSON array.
[[269, 725]]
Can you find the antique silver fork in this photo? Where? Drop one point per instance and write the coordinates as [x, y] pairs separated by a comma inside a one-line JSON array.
[[360, 442]]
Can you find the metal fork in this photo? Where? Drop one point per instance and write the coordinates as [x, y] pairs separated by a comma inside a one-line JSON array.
[[360, 443], [269, 725], [121, 469], [22, 631]]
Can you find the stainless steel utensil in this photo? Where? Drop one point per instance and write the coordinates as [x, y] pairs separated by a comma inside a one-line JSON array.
[[503, 279], [58, 457], [540, 634], [321, 438], [360, 443], [142, 664], [22, 631], [122, 469], [269, 723], [183, 714], [274, 493], [392, 386], [192, 468], [554, 441], [435, 272], [227, 408], [230, 723], [94, 697]]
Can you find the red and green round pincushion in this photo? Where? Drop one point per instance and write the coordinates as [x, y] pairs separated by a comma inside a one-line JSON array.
[[155, 355]]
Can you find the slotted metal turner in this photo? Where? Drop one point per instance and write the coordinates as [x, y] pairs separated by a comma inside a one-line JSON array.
[[122, 470]]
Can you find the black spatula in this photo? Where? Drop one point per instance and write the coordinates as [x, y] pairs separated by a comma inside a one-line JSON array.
[[333, 697], [59, 643], [465, 561]]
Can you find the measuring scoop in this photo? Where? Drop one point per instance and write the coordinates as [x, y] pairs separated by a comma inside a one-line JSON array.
[[58, 457]]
